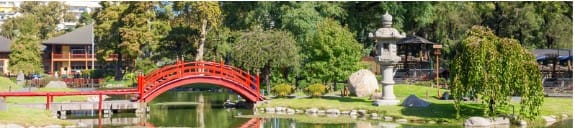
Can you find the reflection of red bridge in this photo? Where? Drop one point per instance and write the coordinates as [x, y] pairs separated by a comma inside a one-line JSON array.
[[181, 73], [252, 123]]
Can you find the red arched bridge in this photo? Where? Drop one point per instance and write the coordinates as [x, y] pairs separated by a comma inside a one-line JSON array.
[[168, 77], [183, 73]]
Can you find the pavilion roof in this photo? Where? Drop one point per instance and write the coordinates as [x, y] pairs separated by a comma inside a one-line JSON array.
[[5, 44], [80, 36], [413, 39]]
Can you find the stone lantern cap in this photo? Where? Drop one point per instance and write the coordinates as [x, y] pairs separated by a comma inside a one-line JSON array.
[[387, 20], [387, 32]]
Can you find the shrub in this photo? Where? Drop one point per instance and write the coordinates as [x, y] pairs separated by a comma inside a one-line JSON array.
[[7, 84], [315, 90], [282, 90]]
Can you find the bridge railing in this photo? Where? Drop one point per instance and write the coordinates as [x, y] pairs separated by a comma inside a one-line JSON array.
[[198, 68]]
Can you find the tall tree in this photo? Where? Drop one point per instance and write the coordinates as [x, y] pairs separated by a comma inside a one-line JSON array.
[[332, 53], [85, 19], [493, 69], [108, 23], [557, 16], [49, 15], [135, 31], [265, 50], [203, 15], [25, 55]]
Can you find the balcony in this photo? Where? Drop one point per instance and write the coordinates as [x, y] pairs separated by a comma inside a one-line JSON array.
[[78, 57]]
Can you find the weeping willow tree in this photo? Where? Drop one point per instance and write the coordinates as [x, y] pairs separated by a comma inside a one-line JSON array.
[[492, 69]]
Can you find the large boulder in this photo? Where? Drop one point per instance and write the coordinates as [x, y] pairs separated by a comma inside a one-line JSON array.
[[414, 101], [363, 83], [477, 122], [56, 84], [500, 121]]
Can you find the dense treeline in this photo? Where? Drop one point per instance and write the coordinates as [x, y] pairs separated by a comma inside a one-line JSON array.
[[296, 38]]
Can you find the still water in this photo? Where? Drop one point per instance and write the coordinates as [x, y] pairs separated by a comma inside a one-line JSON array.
[[205, 109]]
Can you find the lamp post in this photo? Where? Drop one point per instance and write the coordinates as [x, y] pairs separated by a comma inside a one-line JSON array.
[[437, 48], [93, 58]]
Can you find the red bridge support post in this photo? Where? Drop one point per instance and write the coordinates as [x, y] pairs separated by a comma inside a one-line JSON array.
[[100, 104], [258, 85], [48, 101], [141, 85]]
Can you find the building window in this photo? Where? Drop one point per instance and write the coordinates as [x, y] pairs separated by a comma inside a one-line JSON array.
[[77, 50], [1, 66]]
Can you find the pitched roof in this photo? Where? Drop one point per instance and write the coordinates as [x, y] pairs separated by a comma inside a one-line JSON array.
[[413, 39], [545, 52], [81, 35], [5, 44]]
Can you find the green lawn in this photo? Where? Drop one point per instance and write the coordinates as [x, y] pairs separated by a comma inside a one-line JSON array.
[[29, 117], [556, 106], [7, 84], [438, 110]]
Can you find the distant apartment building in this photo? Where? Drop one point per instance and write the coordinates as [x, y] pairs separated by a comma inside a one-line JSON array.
[[76, 8], [9, 9]]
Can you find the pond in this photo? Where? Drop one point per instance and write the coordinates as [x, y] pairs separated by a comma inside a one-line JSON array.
[[184, 108]]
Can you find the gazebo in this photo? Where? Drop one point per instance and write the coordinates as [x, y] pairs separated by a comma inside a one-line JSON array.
[[416, 61], [554, 63]]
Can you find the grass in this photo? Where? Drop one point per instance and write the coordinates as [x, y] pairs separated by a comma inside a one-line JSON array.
[[439, 110], [557, 106], [122, 83], [6, 84], [32, 116], [29, 117], [42, 99]]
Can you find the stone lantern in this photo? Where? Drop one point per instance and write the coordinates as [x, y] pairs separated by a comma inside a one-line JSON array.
[[386, 39]]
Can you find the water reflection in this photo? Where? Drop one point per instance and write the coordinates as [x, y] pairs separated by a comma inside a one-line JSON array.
[[205, 110]]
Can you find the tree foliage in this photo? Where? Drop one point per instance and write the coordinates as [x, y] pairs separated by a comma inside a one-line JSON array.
[[493, 69], [135, 31], [85, 19], [203, 15], [49, 15], [262, 51], [332, 53], [25, 50]]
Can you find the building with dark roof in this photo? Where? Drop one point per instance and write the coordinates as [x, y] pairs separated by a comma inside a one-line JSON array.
[[416, 59], [5, 44], [71, 52], [555, 63]]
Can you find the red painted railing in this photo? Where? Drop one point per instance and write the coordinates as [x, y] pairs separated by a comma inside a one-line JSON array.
[[161, 76], [78, 56], [155, 79]]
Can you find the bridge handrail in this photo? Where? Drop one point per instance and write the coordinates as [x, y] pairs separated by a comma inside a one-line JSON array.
[[179, 69]]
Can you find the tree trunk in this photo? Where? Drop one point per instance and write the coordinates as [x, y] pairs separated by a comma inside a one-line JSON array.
[[266, 73], [334, 85], [119, 75], [200, 54]]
